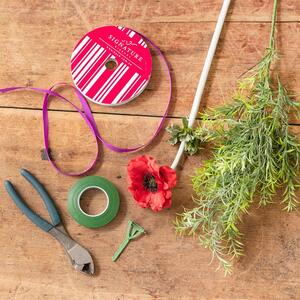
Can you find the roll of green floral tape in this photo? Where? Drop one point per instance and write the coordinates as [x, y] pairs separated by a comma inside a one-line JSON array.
[[101, 219]]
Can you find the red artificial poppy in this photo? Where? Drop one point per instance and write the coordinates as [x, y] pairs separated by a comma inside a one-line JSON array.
[[149, 184]]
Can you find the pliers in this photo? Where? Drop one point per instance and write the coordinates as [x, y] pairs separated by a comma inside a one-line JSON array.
[[79, 256]]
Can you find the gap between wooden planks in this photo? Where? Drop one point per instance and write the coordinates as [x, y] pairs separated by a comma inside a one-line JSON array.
[[159, 265], [185, 46]]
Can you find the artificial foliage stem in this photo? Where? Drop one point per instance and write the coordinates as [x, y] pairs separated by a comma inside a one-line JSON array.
[[254, 156], [272, 34], [273, 26]]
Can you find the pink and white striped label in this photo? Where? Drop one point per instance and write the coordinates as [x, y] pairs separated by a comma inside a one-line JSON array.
[[129, 55]]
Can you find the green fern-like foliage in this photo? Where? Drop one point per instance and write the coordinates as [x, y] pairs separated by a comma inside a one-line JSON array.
[[194, 138], [255, 154]]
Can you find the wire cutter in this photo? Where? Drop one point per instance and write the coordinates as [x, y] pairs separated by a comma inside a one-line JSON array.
[[79, 256]]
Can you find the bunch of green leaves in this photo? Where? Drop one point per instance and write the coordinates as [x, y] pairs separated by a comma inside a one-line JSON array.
[[193, 138], [256, 154]]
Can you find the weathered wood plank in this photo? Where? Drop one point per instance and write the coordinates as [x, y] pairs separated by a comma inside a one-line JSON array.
[[90, 12], [27, 58], [158, 265]]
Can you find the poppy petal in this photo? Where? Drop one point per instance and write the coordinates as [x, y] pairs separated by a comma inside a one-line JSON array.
[[168, 175], [157, 201]]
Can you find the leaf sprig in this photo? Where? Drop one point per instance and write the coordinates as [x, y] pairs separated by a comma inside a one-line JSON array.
[[255, 154], [193, 138]]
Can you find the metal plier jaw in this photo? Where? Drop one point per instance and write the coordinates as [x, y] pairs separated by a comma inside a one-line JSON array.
[[79, 256]]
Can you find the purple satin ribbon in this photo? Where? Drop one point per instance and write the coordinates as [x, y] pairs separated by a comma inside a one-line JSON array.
[[87, 115]]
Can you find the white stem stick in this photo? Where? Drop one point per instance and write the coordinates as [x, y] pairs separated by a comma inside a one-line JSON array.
[[204, 75]]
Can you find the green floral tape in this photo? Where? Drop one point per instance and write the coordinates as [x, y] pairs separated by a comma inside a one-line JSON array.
[[101, 219]]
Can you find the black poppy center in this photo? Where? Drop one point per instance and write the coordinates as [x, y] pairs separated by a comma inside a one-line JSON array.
[[150, 183]]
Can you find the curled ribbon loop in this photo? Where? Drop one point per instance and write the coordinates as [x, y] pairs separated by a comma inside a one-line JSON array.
[[86, 113]]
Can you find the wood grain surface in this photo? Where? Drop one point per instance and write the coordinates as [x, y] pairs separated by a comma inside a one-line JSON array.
[[36, 39]]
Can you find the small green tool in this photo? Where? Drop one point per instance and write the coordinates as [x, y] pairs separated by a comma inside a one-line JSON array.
[[133, 231]]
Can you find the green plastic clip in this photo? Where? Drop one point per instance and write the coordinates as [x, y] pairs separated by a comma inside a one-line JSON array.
[[133, 231]]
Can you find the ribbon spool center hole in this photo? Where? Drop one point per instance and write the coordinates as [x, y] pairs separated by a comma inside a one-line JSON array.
[[111, 64], [93, 201]]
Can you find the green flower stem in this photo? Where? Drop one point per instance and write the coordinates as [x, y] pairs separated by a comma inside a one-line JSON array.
[[274, 17]]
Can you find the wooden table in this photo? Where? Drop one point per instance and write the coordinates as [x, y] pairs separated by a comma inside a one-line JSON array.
[[36, 40]]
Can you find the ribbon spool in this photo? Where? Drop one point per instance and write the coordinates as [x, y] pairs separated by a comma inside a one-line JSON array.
[[101, 219], [86, 113], [111, 65]]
